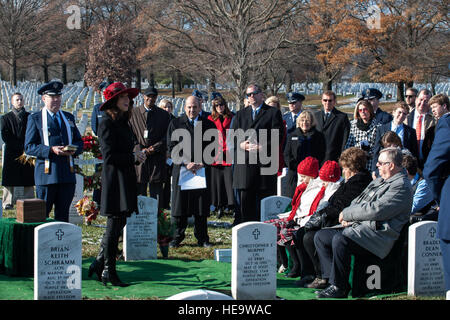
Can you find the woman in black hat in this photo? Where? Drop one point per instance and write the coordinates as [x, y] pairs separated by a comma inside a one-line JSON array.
[[119, 187]]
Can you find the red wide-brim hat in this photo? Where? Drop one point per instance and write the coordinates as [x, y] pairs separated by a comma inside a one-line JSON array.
[[113, 90]]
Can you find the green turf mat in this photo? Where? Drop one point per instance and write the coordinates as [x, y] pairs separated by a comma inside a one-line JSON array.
[[155, 279]]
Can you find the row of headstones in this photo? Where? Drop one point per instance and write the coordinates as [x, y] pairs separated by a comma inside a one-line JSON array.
[[253, 255]]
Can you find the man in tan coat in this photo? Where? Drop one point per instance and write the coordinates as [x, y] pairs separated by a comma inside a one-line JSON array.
[[149, 124]]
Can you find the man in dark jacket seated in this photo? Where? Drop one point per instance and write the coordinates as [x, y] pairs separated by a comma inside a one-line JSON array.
[[369, 226]]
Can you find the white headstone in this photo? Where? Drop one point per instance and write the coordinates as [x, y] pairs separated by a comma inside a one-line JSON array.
[[425, 266], [254, 261], [74, 217], [140, 232], [200, 295], [282, 183], [57, 261], [272, 206]]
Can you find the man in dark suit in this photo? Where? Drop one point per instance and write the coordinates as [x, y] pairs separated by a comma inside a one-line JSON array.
[[295, 101], [439, 105], [255, 179], [14, 173], [149, 124], [49, 133], [202, 97], [335, 126], [410, 98], [192, 202], [406, 133], [373, 96], [437, 175], [421, 120]]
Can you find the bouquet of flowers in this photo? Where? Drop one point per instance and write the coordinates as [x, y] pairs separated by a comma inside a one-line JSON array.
[[87, 208], [165, 227], [92, 182], [90, 144]]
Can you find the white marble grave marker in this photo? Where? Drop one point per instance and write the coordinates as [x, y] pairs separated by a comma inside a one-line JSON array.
[[140, 232], [254, 261], [57, 261], [272, 206], [425, 268], [74, 217]]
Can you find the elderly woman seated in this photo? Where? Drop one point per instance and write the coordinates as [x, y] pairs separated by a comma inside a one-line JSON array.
[[357, 178], [309, 196]]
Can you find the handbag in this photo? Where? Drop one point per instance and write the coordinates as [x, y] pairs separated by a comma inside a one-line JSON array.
[[315, 222]]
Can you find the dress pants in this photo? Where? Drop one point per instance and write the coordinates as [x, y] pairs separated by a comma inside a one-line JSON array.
[[200, 228], [155, 189], [60, 195], [8, 195], [306, 265], [335, 253], [251, 202]]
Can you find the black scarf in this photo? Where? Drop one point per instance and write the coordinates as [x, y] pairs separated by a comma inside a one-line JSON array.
[[362, 125]]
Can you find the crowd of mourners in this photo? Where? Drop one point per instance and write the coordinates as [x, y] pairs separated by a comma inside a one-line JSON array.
[[354, 184]]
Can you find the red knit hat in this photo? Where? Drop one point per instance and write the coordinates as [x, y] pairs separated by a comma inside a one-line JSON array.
[[330, 171], [309, 167]]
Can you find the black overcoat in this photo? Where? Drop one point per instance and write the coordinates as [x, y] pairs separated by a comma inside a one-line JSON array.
[[336, 130], [298, 147], [190, 202], [246, 175], [13, 130], [119, 188]]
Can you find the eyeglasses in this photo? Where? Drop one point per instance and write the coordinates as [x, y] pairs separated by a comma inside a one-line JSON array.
[[382, 163], [327, 100], [410, 96], [254, 93]]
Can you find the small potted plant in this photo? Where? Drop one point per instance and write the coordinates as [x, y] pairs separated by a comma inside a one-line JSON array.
[[165, 231]]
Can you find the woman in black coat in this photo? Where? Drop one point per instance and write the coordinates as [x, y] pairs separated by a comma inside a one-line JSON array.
[[304, 141], [119, 187], [353, 162]]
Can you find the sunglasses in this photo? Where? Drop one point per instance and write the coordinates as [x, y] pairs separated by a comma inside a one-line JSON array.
[[249, 94], [410, 96], [327, 100]]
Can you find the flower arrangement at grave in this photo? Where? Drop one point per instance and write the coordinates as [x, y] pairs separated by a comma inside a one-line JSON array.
[[90, 144], [165, 228], [87, 208], [92, 182]]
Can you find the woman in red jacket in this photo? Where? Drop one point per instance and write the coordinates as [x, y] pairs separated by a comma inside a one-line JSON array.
[[221, 172]]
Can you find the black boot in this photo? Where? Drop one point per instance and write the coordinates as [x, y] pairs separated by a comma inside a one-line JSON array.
[[295, 271], [98, 265], [109, 274]]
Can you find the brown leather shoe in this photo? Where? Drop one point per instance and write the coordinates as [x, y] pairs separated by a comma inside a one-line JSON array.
[[318, 284]]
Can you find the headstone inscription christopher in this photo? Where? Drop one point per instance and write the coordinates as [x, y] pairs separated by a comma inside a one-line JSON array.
[[272, 206], [57, 261], [425, 266], [140, 232], [253, 262]]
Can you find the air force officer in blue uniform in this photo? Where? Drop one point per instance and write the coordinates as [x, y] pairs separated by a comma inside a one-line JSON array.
[[437, 174], [48, 132]]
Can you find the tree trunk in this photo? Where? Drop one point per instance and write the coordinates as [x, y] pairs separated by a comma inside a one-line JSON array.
[[400, 91], [288, 81], [409, 84], [138, 79], [151, 79], [64, 73], [328, 84], [173, 84], [13, 71], [179, 81], [45, 69]]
